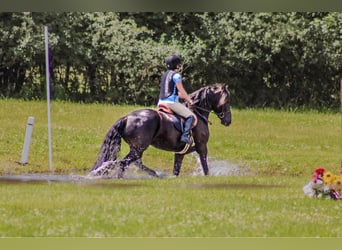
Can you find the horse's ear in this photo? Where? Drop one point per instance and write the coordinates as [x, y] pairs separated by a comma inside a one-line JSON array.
[[226, 86]]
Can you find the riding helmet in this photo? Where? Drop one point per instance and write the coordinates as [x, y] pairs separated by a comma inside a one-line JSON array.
[[172, 62]]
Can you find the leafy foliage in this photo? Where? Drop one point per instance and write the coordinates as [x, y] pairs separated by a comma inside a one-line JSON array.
[[269, 59]]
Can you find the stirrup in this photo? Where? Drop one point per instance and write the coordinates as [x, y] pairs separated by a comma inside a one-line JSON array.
[[187, 140]]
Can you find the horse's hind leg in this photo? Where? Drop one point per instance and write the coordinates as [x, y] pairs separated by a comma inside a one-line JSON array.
[[146, 169], [134, 156], [131, 157]]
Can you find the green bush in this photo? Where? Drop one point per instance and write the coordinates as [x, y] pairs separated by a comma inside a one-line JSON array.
[[273, 59]]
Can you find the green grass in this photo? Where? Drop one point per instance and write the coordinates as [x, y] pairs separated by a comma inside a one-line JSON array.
[[281, 142], [191, 207], [280, 148]]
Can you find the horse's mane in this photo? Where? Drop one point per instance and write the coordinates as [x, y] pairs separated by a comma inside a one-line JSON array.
[[199, 95]]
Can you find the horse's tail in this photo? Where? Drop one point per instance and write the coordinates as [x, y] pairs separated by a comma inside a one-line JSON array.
[[111, 144]]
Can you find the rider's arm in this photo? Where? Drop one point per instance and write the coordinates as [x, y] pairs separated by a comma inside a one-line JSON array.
[[182, 93], [177, 78]]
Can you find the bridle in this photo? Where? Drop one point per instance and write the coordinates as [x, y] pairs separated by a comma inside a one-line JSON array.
[[220, 115]]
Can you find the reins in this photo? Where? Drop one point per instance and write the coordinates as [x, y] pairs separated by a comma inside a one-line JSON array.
[[200, 115]]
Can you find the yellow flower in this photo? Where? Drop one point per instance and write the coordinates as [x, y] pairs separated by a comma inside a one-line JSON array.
[[328, 178], [338, 180], [338, 183]]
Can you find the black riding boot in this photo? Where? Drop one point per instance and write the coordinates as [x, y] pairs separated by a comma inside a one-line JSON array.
[[186, 130]]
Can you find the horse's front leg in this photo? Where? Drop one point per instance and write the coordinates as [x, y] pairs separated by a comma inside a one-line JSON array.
[[202, 151], [178, 159], [204, 164]]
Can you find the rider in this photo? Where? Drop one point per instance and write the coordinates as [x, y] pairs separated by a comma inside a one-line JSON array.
[[171, 89]]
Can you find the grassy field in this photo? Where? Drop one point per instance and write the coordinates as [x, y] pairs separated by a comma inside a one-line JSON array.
[[173, 207], [280, 149]]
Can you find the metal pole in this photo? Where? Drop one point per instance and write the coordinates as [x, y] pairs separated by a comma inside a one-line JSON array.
[[48, 93], [27, 141]]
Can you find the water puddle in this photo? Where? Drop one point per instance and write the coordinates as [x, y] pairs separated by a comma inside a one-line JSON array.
[[105, 183], [83, 181], [38, 178], [217, 168]]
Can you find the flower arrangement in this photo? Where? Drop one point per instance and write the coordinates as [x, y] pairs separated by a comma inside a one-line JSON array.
[[324, 184]]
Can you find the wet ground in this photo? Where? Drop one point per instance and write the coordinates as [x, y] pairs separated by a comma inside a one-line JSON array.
[[217, 168], [46, 179], [39, 178]]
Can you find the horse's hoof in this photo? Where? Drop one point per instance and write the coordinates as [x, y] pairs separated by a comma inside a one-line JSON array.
[[173, 176], [161, 174], [92, 174]]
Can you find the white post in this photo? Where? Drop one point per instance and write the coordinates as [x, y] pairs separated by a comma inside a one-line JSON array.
[[47, 63], [29, 128]]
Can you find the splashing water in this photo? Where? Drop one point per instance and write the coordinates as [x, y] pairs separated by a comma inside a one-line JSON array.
[[110, 170], [221, 168]]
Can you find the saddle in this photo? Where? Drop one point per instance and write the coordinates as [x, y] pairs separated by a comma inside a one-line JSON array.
[[177, 120], [178, 123]]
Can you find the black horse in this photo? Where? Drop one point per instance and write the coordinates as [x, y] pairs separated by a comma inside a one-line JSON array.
[[145, 127]]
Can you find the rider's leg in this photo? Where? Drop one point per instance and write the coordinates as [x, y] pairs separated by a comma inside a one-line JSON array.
[[186, 130], [190, 119]]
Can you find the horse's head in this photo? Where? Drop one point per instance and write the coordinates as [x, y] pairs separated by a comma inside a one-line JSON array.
[[218, 96]]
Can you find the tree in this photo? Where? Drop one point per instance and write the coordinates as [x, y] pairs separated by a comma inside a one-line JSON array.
[[269, 59]]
